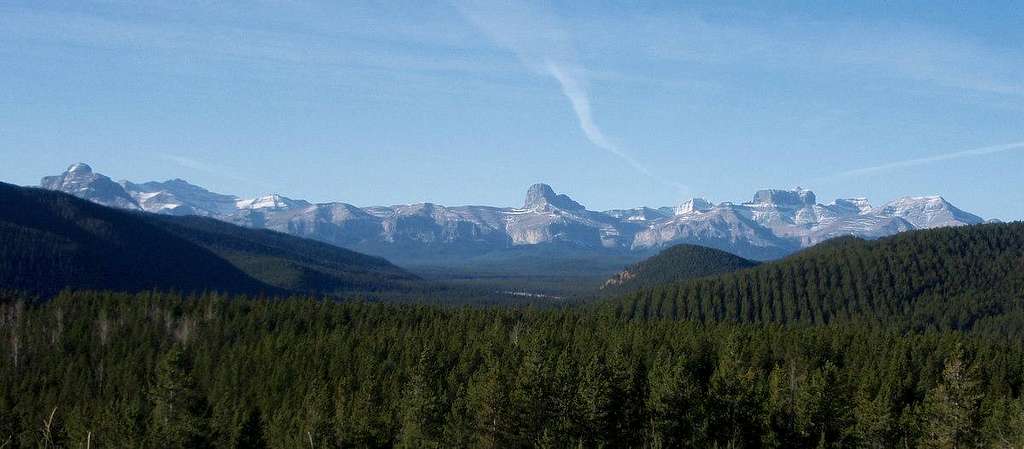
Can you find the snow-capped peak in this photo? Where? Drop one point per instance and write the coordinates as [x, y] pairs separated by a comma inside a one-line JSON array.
[[797, 197], [928, 212], [694, 205], [858, 205], [775, 223], [79, 180], [80, 168], [273, 201]]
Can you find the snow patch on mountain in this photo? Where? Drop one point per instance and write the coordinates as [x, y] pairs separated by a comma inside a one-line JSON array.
[[81, 181], [694, 205], [178, 197], [928, 212], [274, 201], [772, 224]]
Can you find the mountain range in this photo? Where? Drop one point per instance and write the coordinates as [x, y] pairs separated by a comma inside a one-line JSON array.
[[50, 241], [773, 224]]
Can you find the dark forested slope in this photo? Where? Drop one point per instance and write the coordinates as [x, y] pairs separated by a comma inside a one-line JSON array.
[[950, 278], [215, 372], [678, 263], [51, 240], [287, 261]]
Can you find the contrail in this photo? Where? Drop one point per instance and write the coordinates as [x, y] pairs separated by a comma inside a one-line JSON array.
[[545, 47], [581, 105], [941, 157], [198, 165]]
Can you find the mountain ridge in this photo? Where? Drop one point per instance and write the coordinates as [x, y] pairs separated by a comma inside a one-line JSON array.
[[773, 224], [50, 240]]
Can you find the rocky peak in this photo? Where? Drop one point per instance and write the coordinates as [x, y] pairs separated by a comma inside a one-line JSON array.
[[928, 212], [79, 180], [174, 186], [538, 194], [181, 183], [541, 195], [639, 214], [76, 175], [777, 221], [854, 205], [177, 196], [694, 205], [272, 201], [80, 168], [793, 198]]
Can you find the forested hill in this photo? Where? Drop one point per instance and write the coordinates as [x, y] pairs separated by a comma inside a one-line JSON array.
[[286, 261], [961, 278], [678, 263], [51, 240], [219, 372]]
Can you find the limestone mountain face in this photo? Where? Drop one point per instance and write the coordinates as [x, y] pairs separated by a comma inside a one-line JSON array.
[[79, 180], [772, 224]]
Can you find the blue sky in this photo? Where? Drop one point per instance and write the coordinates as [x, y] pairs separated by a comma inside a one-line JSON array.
[[470, 102]]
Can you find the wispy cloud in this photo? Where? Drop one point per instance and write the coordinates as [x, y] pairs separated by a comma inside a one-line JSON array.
[[545, 46], [882, 50], [198, 165], [225, 41], [973, 152], [572, 89]]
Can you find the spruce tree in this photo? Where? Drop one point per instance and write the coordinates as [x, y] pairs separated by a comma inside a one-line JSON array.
[[179, 411], [952, 408], [251, 436], [423, 406]]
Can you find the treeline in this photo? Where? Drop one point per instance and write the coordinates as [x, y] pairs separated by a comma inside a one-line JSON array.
[[967, 278], [155, 370]]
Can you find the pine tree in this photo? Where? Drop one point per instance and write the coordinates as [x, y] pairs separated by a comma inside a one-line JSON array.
[[423, 407], [530, 399], [252, 435], [874, 421], [1004, 427], [488, 398], [952, 408], [179, 411]]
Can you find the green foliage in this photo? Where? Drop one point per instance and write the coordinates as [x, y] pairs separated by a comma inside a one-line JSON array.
[[910, 341], [286, 261], [158, 370], [952, 408], [51, 240], [178, 411], [675, 264], [966, 278], [422, 407]]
